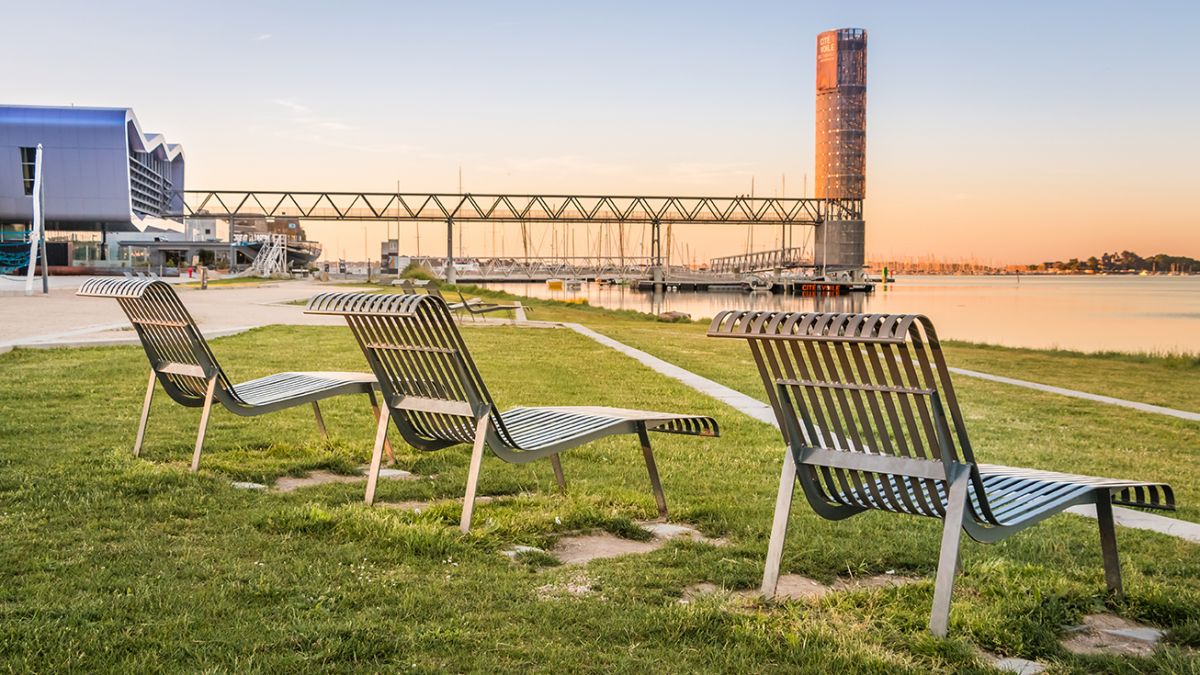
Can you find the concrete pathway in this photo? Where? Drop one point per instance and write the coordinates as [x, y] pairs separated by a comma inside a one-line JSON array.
[[1097, 398], [66, 335], [1142, 520], [736, 399]]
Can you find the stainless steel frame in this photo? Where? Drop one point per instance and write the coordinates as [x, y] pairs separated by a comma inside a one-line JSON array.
[[182, 362], [871, 421], [436, 397]]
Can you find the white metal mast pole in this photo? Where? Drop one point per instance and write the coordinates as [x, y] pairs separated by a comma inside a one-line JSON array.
[[37, 234]]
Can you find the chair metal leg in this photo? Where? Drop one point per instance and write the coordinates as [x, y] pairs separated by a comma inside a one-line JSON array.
[[473, 472], [939, 620], [558, 472], [1108, 546], [387, 445], [141, 431], [376, 457], [783, 508], [208, 400], [320, 420], [652, 469]]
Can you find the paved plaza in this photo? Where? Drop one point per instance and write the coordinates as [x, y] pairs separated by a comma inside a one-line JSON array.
[[61, 316]]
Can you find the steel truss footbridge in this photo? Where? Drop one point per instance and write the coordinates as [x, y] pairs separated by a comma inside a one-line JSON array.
[[453, 208]]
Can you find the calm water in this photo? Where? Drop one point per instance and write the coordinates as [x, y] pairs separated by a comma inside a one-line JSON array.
[[1141, 314]]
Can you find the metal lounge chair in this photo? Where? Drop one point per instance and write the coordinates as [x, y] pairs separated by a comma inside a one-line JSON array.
[[434, 392], [182, 362], [478, 308], [868, 411], [475, 307], [407, 286]]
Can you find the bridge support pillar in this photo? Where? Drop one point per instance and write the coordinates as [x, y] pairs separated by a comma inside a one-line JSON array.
[[657, 273], [840, 245], [451, 275]]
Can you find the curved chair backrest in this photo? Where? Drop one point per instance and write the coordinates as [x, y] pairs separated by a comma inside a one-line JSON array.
[[424, 370], [864, 399], [176, 349]]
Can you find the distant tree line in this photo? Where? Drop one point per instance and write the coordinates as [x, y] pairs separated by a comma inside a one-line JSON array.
[[1125, 261]]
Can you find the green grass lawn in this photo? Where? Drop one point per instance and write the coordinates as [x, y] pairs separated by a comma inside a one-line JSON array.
[[111, 563]]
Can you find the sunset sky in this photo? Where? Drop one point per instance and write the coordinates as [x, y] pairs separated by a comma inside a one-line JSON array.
[[1007, 132]]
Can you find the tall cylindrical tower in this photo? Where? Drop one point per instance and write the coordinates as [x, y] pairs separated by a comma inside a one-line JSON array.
[[842, 114], [840, 245]]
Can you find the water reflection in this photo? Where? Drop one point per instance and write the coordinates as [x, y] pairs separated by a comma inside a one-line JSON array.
[[1154, 314], [708, 304]]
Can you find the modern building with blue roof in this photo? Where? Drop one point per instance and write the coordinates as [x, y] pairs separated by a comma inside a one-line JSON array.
[[100, 171]]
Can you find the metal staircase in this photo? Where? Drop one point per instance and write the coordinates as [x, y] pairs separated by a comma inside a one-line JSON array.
[[271, 258]]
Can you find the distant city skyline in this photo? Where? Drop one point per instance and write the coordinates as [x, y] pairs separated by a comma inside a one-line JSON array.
[[1011, 133]]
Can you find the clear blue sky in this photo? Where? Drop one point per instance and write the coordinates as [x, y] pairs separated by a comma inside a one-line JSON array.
[[1008, 131]]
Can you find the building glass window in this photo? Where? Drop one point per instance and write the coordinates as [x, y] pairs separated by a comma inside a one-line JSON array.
[[150, 184], [28, 164]]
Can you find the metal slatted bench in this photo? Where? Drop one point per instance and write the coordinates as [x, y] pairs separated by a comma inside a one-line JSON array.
[[475, 307], [435, 395], [182, 362], [869, 414]]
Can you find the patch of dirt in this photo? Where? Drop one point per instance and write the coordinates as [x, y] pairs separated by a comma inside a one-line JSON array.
[[517, 550], [1111, 634], [584, 548], [1011, 664], [576, 586], [392, 474], [886, 580], [697, 590], [290, 483], [795, 586], [415, 507], [419, 506], [663, 530]]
